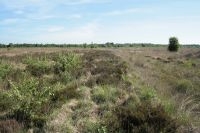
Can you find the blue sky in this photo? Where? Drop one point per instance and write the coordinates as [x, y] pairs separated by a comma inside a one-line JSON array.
[[99, 21]]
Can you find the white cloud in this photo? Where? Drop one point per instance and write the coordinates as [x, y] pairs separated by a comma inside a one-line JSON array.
[[78, 2], [41, 9], [9, 21], [81, 34], [19, 12], [22, 4], [74, 16], [127, 11], [133, 31], [39, 17], [55, 29]]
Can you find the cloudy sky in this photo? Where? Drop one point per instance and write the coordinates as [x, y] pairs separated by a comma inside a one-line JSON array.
[[99, 21]]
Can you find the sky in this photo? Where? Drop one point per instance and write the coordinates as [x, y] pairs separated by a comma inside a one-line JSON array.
[[99, 21]]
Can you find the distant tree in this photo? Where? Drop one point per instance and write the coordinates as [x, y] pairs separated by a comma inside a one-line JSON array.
[[9, 45], [109, 44], [85, 45], [173, 44]]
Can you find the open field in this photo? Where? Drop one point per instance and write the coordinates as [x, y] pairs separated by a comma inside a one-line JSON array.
[[100, 90]]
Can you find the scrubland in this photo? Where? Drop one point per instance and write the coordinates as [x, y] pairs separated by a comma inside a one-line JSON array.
[[99, 90]]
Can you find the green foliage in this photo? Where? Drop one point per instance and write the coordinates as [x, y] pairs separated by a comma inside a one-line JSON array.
[[64, 77], [115, 102], [5, 102], [4, 70], [38, 67], [173, 44], [169, 106], [66, 67], [147, 94], [102, 129], [69, 63], [28, 98], [91, 127]]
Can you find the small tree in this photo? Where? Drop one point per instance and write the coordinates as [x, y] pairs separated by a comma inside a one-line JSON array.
[[173, 44]]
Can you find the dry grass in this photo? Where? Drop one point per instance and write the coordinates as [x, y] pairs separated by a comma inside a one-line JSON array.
[[167, 72]]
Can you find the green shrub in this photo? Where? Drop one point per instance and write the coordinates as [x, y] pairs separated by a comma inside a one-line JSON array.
[[63, 77], [28, 97], [69, 63], [67, 67], [4, 70], [38, 67], [58, 68], [5, 102], [173, 44], [16, 75]]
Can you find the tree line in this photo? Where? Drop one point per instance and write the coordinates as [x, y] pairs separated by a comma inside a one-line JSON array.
[[91, 45]]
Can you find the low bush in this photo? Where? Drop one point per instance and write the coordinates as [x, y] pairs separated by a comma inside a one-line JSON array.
[[4, 70], [63, 77], [16, 75], [64, 93], [105, 72], [27, 97], [5, 102], [67, 67], [140, 118], [110, 67], [38, 67], [69, 63]]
